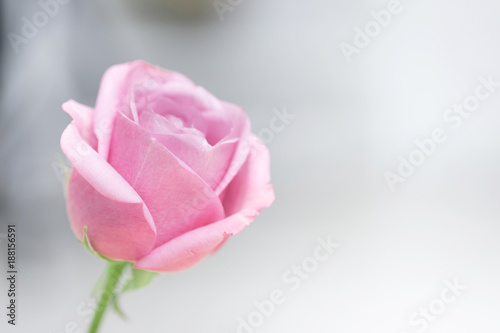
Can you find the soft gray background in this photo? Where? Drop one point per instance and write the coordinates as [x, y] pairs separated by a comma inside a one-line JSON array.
[[353, 121]]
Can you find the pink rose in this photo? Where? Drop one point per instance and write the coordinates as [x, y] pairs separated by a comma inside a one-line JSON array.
[[163, 172]]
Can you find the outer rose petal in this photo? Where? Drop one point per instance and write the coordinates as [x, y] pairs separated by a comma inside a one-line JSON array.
[[250, 188], [179, 200], [114, 93], [82, 115], [189, 248], [98, 197], [241, 132]]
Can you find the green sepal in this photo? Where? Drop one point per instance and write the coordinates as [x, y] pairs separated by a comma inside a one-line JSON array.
[[140, 279], [89, 247]]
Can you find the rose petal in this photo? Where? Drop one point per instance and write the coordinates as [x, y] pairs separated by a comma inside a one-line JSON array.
[[186, 93], [164, 108], [98, 197], [240, 131], [178, 199], [186, 250], [250, 188], [121, 85], [189, 248], [82, 115], [209, 162]]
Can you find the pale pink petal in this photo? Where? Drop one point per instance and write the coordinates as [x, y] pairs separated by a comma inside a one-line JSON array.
[[188, 249], [83, 117], [209, 162], [98, 197], [189, 95], [166, 108], [109, 223], [118, 85], [215, 156], [241, 131], [254, 192], [250, 188], [178, 199]]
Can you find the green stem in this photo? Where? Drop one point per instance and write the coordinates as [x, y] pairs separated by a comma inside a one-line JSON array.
[[113, 273]]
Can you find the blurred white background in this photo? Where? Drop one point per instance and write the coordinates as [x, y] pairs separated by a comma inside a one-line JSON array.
[[353, 121]]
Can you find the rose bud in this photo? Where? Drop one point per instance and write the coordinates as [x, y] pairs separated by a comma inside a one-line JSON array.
[[163, 172]]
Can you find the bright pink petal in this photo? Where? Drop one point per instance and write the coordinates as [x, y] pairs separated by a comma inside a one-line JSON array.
[[251, 187], [178, 199], [98, 197]]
